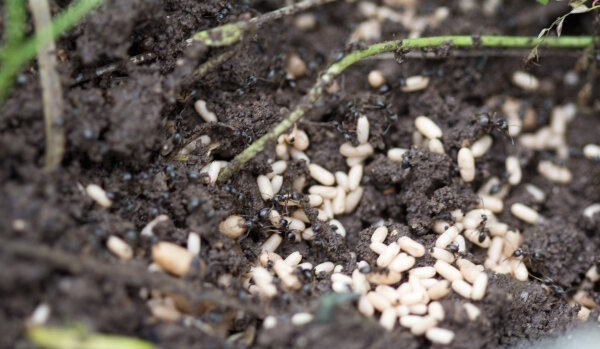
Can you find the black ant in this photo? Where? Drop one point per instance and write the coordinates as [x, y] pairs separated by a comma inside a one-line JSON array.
[[557, 289], [537, 255], [455, 250], [489, 124]]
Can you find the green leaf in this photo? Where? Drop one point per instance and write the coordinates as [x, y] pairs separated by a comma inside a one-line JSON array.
[[543, 2]]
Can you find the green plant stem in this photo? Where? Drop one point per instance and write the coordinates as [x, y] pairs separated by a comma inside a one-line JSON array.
[[14, 60], [80, 338], [15, 22], [458, 41]]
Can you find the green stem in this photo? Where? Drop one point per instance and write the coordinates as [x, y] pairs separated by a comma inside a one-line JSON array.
[[15, 59], [15, 22], [460, 41]]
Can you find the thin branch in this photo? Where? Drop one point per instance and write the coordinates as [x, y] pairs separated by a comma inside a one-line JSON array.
[[109, 68], [16, 59], [231, 33], [50, 81], [460, 41], [212, 64], [287, 11]]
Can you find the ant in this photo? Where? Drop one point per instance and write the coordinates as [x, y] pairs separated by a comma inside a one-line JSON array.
[[455, 250], [536, 255], [557, 289], [483, 232], [489, 123]]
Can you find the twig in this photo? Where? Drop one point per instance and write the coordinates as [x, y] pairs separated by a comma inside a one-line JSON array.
[[231, 33], [129, 274], [50, 81], [462, 41], [14, 60], [211, 64], [109, 68]]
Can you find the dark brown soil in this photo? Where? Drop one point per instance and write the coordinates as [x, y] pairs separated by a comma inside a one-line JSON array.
[[124, 127]]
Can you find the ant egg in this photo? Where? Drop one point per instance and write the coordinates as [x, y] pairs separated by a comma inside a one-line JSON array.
[[462, 288], [301, 141], [446, 237], [338, 204], [447, 271], [233, 226], [591, 210], [525, 81], [439, 290], [479, 287], [388, 254], [481, 146], [472, 311], [427, 127], [415, 83], [592, 151], [441, 254], [98, 195], [376, 79], [436, 146], [341, 178], [411, 246], [295, 66], [353, 199], [203, 111], [439, 335], [554, 173], [194, 243], [361, 150], [402, 262], [321, 175], [265, 187], [395, 154], [119, 248], [325, 267], [172, 258], [355, 176], [365, 307], [340, 228], [513, 168], [436, 310], [466, 164], [305, 22]]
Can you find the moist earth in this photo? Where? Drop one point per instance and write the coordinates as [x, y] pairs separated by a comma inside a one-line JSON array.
[[124, 128]]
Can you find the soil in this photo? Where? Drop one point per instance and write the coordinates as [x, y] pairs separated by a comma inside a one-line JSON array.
[[124, 127]]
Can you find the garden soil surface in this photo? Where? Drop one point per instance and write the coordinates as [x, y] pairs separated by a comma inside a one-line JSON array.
[[125, 126]]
